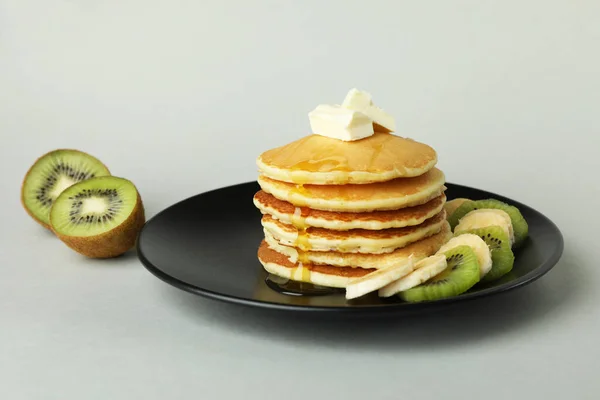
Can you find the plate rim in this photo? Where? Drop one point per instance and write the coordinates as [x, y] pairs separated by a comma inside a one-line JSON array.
[[526, 279]]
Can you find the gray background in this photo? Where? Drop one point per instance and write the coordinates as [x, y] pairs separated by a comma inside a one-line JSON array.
[[181, 96]]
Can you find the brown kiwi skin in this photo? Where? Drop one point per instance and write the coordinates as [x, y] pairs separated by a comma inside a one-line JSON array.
[[113, 243], [42, 223]]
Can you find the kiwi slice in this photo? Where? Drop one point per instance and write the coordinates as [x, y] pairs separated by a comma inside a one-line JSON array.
[[99, 217], [51, 174], [461, 274], [503, 257], [451, 205], [520, 226]]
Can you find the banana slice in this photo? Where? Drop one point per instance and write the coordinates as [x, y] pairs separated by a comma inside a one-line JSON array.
[[425, 269], [486, 217], [479, 246], [378, 279]]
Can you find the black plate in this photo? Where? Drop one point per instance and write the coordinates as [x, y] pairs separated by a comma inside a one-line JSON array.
[[207, 245]]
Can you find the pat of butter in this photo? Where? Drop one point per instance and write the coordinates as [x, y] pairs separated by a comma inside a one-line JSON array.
[[340, 123], [361, 101]]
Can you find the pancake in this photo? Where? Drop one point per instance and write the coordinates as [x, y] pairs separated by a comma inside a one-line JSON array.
[[316, 159], [302, 217], [382, 196], [420, 249], [352, 241], [324, 275]]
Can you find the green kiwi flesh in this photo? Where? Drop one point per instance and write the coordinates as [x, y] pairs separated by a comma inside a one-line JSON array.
[[520, 226], [99, 217], [503, 257], [94, 206], [51, 174], [461, 274], [461, 211], [452, 205]]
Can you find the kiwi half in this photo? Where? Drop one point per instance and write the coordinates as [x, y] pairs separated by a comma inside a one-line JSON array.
[[51, 174], [520, 226], [99, 217], [461, 274], [503, 257]]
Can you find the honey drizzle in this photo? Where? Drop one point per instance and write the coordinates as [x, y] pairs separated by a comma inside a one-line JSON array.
[[377, 149], [297, 193], [296, 288], [301, 243], [318, 154], [322, 164]]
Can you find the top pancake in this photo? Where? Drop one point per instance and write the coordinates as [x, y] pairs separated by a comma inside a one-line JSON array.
[[320, 160]]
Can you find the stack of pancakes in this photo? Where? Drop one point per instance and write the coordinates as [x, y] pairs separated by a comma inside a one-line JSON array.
[[334, 211]]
